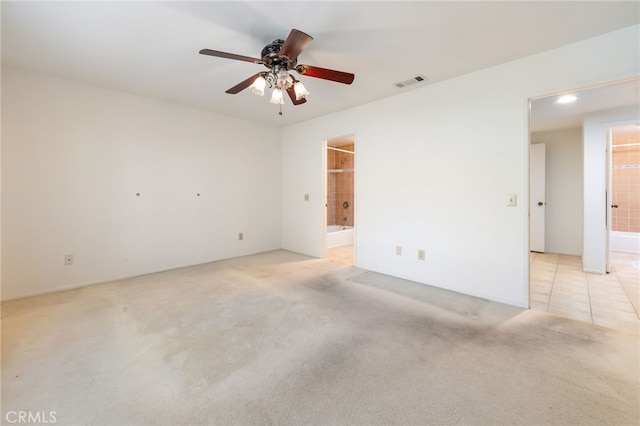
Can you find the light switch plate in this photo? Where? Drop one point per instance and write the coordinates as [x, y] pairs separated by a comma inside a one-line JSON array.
[[512, 200]]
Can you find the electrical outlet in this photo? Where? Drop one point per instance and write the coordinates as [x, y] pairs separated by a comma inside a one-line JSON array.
[[240, 236], [421, 254], [398, 250], [68, 259]]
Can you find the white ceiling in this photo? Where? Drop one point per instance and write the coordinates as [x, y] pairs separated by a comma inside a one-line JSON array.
[[547, 114], [151, 48]]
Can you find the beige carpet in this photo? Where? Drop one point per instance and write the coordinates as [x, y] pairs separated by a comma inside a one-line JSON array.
[[279, 338]]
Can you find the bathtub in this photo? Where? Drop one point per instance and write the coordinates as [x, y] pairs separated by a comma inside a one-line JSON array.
[[628, 242], [338, 235]]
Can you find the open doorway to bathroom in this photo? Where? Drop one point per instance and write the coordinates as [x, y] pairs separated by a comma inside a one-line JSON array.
[[340, 203], [624, 175]]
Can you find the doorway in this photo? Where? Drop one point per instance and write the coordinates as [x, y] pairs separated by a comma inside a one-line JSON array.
[[624, 188], [568, 276], [340, 225]]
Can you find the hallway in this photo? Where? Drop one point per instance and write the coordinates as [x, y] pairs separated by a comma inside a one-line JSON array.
[[559, 286]]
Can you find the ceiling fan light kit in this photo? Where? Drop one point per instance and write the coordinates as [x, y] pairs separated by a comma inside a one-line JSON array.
[[281, 57]]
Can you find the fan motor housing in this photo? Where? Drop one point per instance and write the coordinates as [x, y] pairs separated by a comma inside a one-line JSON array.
[[272, 59]]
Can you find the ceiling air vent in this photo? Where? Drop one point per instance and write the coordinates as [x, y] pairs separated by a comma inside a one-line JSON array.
[[414, 80]]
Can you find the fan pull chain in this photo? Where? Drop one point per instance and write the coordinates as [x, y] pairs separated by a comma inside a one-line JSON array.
[[280, 113]]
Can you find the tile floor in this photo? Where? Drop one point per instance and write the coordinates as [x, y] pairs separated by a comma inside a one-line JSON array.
[[343, 254], [559, 286]]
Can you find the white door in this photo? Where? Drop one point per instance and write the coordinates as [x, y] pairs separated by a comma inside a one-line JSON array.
[[609, 199], [537, 201]]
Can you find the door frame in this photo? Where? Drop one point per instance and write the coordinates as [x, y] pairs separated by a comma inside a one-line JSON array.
[[607, 198], [609, 183], [605, 125], [325, 177], [324, 174]]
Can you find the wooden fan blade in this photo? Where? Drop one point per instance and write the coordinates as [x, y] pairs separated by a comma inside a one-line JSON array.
[[295, 43], [326, 74], [292, 95], [243, 84], [230, 56]]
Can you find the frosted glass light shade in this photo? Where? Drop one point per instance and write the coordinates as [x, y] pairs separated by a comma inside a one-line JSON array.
[[300, 90], [258, 86], [283, 80], [276, 97]]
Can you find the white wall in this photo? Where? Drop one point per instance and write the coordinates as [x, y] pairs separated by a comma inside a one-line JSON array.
[[595, 183], [564, 190], [434, 166], [73, 158]]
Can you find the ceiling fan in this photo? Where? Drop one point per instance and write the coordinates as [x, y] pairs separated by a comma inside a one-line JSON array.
[[281, 57]]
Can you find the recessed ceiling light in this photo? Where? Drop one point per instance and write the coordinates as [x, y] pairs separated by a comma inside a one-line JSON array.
[[566, 99]]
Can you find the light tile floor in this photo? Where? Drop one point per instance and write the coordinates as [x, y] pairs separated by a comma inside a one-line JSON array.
[[343, 254], [559, 286]]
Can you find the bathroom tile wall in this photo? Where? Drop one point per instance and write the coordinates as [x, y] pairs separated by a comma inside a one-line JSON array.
[[331, 188], [626, 184], [340, 186]]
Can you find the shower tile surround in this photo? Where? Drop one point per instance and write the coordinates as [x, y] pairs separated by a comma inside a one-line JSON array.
[[625, 183], [340, 186]]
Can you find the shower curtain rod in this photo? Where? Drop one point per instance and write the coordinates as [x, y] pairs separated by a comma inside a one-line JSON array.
[[341, 150]]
